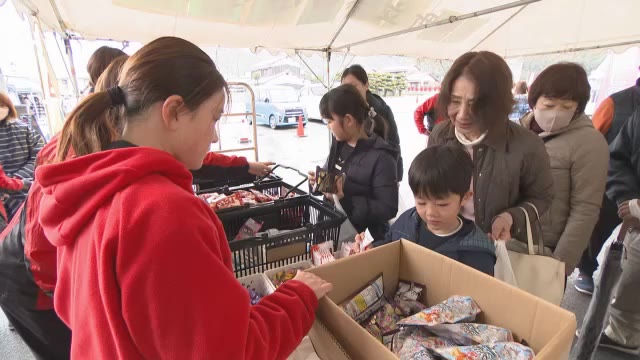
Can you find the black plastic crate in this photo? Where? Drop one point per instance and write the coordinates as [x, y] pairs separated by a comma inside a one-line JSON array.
[[307, 220], [211, 186], [273, 188]]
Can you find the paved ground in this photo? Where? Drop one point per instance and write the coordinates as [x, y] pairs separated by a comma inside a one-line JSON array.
[[285, 147]]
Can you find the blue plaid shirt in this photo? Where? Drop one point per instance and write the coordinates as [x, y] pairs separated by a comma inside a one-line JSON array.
[[521, 108]]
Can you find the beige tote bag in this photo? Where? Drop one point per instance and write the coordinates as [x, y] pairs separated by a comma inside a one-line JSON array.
[[536, 273]]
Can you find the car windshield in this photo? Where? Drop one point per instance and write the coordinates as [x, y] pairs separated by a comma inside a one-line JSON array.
[[283, 95]]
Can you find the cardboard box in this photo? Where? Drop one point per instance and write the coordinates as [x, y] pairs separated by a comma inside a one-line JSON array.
[[548, 329]]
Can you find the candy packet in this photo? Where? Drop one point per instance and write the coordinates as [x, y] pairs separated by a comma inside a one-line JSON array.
[[406, 298], [429, 340], [383, 324], [283, 276], [249, 229], [326, 180], [455, 309], [497, 351], [322, 253], [366, 301], [414, 350], [472, 334]]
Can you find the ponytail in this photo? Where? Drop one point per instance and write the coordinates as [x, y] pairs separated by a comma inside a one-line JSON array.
[[88, 128], [345, 99], [379, 126]]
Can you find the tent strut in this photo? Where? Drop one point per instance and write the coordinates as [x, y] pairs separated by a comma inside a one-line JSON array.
[[577, 49], [446, 21], [344, 23], [499, 27], [309, 67]]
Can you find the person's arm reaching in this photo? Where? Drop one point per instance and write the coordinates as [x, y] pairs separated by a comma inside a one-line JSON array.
[[217, 159], [195, 307], [9, 183]]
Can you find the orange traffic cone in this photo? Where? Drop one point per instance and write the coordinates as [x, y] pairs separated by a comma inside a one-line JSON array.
[[300, 132]]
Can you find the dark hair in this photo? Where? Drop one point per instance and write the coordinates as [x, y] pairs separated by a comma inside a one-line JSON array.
[[521, 88], [107, 80], [492, 77], [111, 74], [345, 99], [100, 60], [356, 71], [567, 81], [441, 170], [6, 101], [164, 67]]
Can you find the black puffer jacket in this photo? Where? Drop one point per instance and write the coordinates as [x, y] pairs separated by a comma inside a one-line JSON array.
[[393, 137], [370, 189], [624, 164]]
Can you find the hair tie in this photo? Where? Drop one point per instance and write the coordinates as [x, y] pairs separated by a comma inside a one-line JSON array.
[[372, 112], [117, 95]]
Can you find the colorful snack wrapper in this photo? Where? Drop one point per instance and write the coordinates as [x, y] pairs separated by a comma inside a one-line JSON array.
[[365, 302], [406, 298], [472, 334], [249, 229], [414, 350], [227, 202], [260, 197], [453, 310], [497, 351], [285, 275], [428, 340]]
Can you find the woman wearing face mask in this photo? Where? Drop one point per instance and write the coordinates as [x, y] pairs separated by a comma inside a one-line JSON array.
[[369, 190], [579, 158], [511, 164]]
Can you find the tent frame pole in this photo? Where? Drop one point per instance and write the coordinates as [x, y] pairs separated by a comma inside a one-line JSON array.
[[449, 20], [308, 67], [578, 49], [344, 23]]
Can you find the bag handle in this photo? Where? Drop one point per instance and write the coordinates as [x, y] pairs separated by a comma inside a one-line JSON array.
[[529, 233], [540, 236]]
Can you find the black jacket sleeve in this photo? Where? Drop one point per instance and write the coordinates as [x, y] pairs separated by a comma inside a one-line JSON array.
[[624, 173], [480, 261], [382, 206], [394, 138]]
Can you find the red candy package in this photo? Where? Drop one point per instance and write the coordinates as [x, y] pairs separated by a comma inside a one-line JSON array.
[[260, 197], [227, 202]]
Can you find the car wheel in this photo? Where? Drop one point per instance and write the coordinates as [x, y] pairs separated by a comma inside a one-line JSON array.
[[272, 122]]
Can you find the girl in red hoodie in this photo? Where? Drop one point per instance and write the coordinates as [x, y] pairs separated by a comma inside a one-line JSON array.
[[144, 267]]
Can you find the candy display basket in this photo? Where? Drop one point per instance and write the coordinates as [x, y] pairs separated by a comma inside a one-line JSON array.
[[293, 227]]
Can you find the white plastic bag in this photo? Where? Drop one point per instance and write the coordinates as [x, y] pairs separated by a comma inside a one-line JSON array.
[[503, 270], [347, 230]]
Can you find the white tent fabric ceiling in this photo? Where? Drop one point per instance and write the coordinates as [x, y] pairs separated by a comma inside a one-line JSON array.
[[525, 27]]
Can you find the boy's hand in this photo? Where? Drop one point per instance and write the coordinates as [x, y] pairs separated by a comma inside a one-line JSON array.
[[501, 227], [629, 209]]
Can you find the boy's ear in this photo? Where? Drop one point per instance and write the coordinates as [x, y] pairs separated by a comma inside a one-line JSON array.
[[467, 196]]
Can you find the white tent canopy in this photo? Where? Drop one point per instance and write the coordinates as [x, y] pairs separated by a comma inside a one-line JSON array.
[[445, 28]]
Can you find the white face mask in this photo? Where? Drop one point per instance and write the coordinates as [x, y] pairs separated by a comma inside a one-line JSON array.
[[4, 111], [553, 120]]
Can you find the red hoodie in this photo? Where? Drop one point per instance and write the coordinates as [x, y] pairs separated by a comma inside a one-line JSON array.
[[428, 106], [144, 267]]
